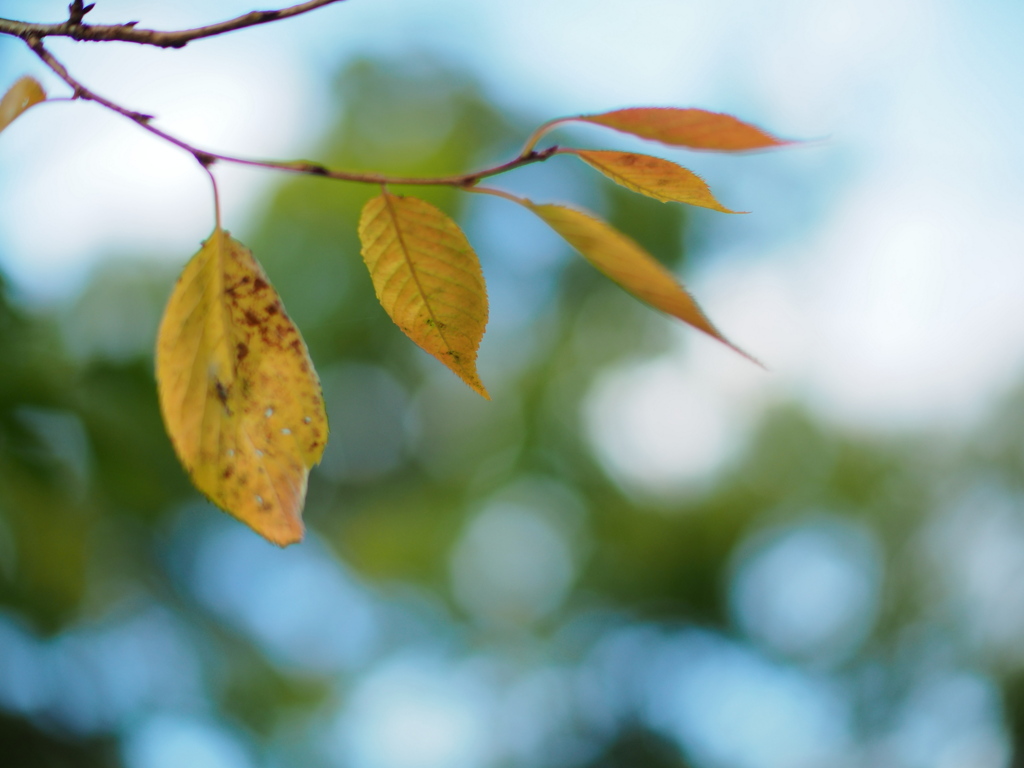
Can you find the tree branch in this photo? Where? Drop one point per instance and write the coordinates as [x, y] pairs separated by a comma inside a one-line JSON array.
[[129, 33], [206, 158]]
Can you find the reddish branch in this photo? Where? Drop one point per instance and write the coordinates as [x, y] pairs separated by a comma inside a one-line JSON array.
[[130, 33], [206, 158]]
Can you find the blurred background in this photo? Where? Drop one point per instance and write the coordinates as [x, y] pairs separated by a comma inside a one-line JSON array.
[[644, 551]]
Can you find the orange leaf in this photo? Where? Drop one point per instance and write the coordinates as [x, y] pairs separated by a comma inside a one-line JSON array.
[[238, 393], [427, 278], [693, 128], [652, 176], [628, 264], [25, 93]]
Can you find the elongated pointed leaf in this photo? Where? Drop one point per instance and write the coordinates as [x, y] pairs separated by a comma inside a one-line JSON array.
[[628, 264], [240, 399], [427, 278], [652, 176], [693, 128], [19, 97]]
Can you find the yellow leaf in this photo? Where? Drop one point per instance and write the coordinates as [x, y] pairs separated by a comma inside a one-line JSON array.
[[693, 128], [22, 95], [652, 176], [427, 278], [239, 396], [629, 265]]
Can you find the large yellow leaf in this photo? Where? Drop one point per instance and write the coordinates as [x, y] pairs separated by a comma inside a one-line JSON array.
[[19, 97], [652, 176], [629, 265], [240, 399], [427, 278], [693, 128]]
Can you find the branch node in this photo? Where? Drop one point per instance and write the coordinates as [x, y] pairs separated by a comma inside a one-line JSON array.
[[204, 158], [77, 11]]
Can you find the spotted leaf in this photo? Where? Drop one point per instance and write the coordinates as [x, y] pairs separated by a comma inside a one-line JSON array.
[[239, 396], [652, 176]]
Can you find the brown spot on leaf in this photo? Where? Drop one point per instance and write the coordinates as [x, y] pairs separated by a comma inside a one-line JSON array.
[[250, 318], [230, 290], [228, 471], [259, 284], [272, 309], [243, 350]]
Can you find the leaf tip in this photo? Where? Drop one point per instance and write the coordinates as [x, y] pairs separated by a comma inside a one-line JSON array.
[[747, 355], [470, 377], [285, 538]]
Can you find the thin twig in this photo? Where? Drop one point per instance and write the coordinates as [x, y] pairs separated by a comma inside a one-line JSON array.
[[77, 11], [464, 180], [207, 158], [81, 92], [129, 33]]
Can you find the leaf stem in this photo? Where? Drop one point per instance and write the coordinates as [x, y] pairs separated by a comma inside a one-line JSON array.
[[498, 193], [216, 194], [538, 134]]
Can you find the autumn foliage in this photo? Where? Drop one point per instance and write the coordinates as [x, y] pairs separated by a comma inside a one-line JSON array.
[[240, 398]]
